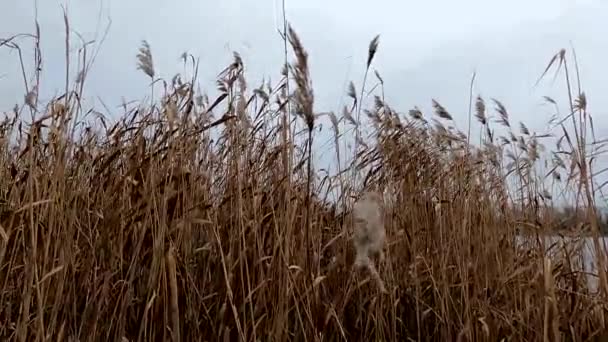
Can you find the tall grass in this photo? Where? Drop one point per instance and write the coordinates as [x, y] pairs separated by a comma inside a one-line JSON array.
[[197, 219]]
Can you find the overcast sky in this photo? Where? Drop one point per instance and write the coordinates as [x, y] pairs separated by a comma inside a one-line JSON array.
[[428, 49]]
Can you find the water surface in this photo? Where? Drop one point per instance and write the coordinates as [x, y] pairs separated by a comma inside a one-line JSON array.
[[582, 247]]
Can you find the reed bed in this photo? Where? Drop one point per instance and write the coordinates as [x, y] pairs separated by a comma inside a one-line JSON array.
[[191, 218]]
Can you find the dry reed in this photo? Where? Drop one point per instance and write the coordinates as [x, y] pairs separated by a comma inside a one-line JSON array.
[[193, 218]]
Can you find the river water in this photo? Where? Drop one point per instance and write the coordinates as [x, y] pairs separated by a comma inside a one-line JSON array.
[[582, 247]]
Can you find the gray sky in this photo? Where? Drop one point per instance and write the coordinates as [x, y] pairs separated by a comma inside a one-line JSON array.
[[428, 49]]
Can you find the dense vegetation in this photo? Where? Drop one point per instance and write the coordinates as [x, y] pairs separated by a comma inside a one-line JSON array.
[[198, 219]]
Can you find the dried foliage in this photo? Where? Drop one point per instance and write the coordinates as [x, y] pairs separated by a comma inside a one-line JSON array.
[[183, 219]]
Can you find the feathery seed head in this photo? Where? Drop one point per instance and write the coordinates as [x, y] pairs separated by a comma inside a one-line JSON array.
[[144, 59], [30, 98], [373, 48], [480, 112], [369, 227], [303, 93], [441, 111], [502, 112]]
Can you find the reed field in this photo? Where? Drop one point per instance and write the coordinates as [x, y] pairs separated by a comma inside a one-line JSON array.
[[199, 218]]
